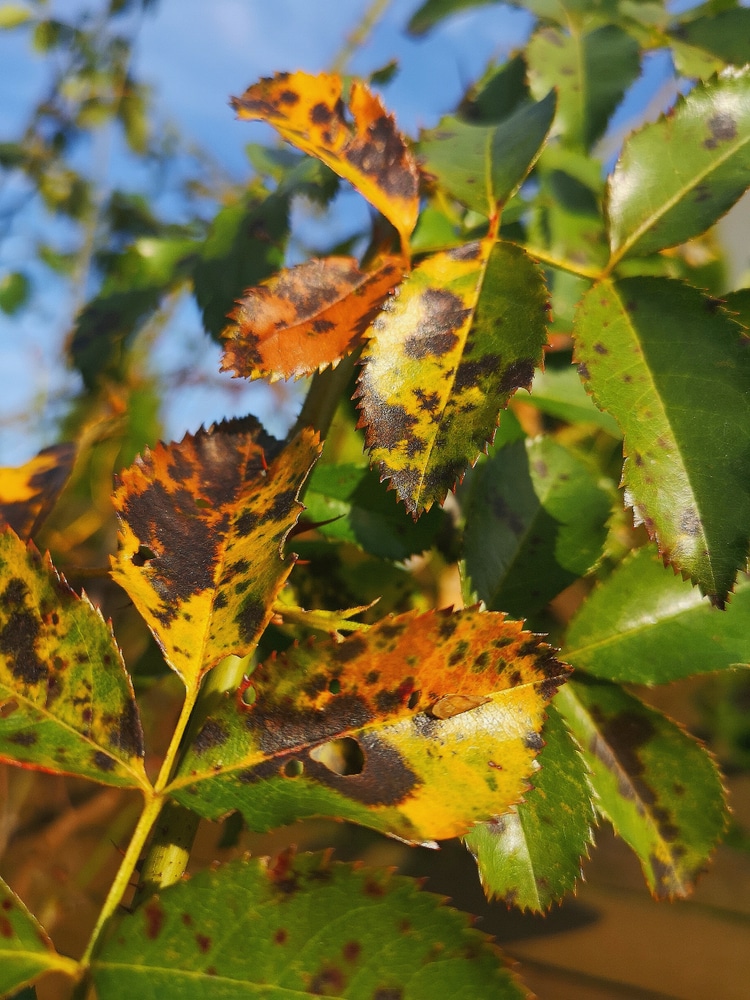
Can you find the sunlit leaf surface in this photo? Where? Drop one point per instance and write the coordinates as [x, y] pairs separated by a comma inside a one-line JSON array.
[[27, 493], [306, 318], [202, 526], [465, 331], [672, 368], [645, 625], [519, 861], [656, 784], [299, 927], [677, 176], [365, 148], [419, 727], [66, 702]]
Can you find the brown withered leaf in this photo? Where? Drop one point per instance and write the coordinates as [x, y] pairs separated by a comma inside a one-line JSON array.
[[28, 493], [366, 149], [202, 526], [305, 318]]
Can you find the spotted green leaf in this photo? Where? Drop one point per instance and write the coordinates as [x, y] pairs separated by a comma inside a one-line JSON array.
[[418, 728], [672, 368], [645, 625], [677, 176], [535, 522], [66, 702], [299, 926], [657, 785], [462, 335], [484, 165], [592, 70], [202, 527], [519, 862], [26, 951]]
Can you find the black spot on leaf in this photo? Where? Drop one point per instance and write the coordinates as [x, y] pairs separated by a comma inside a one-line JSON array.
[[211, 734]]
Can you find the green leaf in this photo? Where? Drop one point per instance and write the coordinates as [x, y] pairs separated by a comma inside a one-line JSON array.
[[737, 303], [497, 94], [559, 392], [26, 952], [299, 927], [366, 514], [464, 333], [137, 282], [246, 244], [67, 702], [591, 72], [535, 522], [644, 625], [672, 369], [434, 11], [14, 292], [484, 165], [726, 35], [419, 727], [677, 176], [519, 862], [659, 788]]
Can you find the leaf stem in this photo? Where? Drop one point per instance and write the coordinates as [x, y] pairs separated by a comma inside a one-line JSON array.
[[581, 270], [323, 396]]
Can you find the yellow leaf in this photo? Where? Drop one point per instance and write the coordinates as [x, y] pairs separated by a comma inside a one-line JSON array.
[[366, 149], [202, 527], [28, 493], [419, 728]]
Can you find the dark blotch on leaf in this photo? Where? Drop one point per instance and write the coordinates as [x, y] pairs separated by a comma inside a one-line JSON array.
[[349, 649], [518, 375], [103, 762], [320, 114], [26, 738], [246, 522], [19, 635], [154, 916], [533, 741], [250, 619], [128, 734], [211, 734]]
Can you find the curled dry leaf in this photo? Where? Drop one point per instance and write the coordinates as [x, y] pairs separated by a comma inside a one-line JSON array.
[[366, 149], [306, 318]]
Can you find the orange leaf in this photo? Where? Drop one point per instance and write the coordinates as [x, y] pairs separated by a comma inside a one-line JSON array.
[[305, 318], [367, 150]]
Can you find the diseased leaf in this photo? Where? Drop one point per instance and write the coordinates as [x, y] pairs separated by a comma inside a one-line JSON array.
[[484, 165], [677, 176], [202, 527], [647, 346], [366, 514], [657, 785], [367, 150], [362, 932], [591, 70], [66, 702], [419, 727], [464, 332], [28, 493], [644, 625], [536, 520], [26, 951], [305, 318], [519, 861]]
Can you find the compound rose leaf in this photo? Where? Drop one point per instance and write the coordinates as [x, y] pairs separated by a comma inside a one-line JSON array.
[[66, 702], [305, 318], [202, 526], [462, 334], [318, 928], [673, 369], [656, 784], [418, 728], [366, 149], [28, 493]]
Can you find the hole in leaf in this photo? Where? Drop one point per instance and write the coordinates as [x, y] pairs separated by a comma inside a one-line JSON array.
[[249, 695], [335, 687], [202, 503], [293, 769], [343, 756], [413, 699], [143, 555]]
